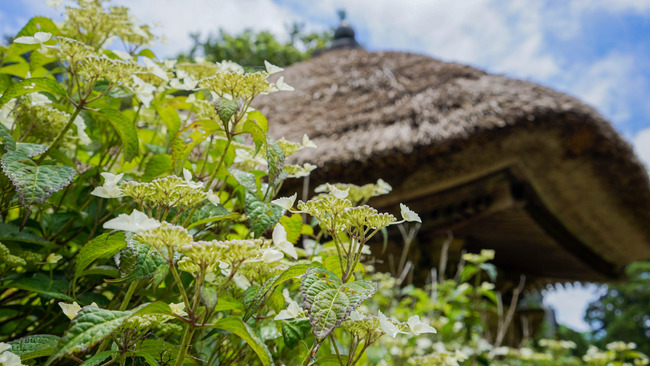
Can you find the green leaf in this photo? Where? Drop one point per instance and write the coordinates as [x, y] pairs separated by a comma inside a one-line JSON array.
[[293, 225], [138, 261], [104, 271], [38, 24], [246, 179], [89, 327], [468, 271], [254, 301], [259, 119], [294, 331], [99, 358], [275, 159], [7, 139], [187, 138], [157, 307], [31, 86], [42, 285], [170, 118], [295, 271], [236, 326], [209, 297], [160, 164], [262, 215], [34, 346], [124, 128], [151, 361], [259, 137], [226, 108], [9, 232], [328, 301], [34, 183], [18, 69], [103, 246], [490, 269], [228, 303]]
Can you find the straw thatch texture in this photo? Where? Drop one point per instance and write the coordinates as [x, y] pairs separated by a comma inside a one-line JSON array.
[[424, 126]]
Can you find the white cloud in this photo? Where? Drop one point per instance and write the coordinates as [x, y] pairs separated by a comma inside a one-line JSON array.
[[641, 143], [570, 304]]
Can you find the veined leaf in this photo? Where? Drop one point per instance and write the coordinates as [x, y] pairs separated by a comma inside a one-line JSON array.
[[226, 108], [259, 137], [9, 232], [328, 301], [103, 246], [38, 345], [294, 331], [31, 86], [275, 159], [187, 138], [138, 261], [236, 326], [170, 118], [98, 359], [7, 139], [89, 327], [42, 285], [246, 179], [160, 164], [34, 183], [19, 69], [124, 128], [253, 302], [262, 215], [259, 119]]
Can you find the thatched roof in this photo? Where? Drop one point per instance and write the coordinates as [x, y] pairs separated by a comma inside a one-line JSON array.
[[565, 196]]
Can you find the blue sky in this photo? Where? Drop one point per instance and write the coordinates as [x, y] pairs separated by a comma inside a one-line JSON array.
[[596, 50]]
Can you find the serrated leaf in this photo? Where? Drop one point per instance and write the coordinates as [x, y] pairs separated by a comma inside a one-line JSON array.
[[255, 300], [246, 179], [294, 331], [31, 86], [328, 301], [34, 183], [98, 359], [7, 140], [34, 346], [89, 327], [262, 215], [138, 261], [124, 128], [42, 285], [158, 165], [236, 326], [258, 135], [293, 225], [187, 138], [275, 159], [226, 108], [103, 246]]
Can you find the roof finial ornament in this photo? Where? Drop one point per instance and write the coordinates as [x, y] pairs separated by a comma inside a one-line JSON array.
[[344, 34]]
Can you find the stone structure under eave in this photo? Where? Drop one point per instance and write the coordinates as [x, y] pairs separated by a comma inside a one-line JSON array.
[[503, 164]]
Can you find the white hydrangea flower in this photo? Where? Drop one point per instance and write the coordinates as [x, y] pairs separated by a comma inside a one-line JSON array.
[[153, 67], [382, 187], [70, 310], [241, 282], [280, 85], [338, 193], [53, 258], [292, 311], [123, 55], [5, 112], [387, 326], [135, 222], [286, 202], [187, 83], [356, 316], [304, 171], [39, 99], [144, 91], [408, 214], [8, 358], [81, 130], [187, 175], [38, 38], [306, 142], [110, 188], [227, 66], [213, 198], [271, 255], [272, 69], [178, 309], [418, 327], [280, 241]]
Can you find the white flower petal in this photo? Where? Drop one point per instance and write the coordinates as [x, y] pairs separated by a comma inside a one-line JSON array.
[[271, 255], [356, 316], [338, 193], [387, 326], [288, 248], [70, 310], [286, 202], [282, 86], [418, 327], [306, 142], [272, 69], [213, 198], [408, 214], [26, 40], [53, 258], [178, 309], [153, 68], [81, 130], [42, 36], [135, 222]]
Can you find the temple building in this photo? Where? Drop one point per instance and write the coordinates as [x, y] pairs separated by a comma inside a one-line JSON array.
[[499, 163]]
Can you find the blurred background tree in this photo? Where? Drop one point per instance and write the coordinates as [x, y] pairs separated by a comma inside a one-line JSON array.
[[623, 313], [251, 48]]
